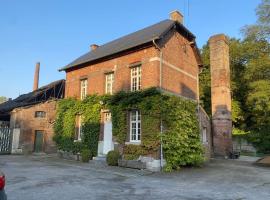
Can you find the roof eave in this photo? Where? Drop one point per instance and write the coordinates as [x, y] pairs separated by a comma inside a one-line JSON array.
[[138, 47]]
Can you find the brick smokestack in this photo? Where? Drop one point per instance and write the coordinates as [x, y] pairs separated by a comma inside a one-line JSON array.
[[36, 77], [177, 16], [220, 95]]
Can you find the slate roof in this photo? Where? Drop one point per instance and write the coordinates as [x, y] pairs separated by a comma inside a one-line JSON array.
[[54, 90], [130, 41]]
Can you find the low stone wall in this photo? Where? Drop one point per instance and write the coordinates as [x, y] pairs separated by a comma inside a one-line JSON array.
[[143, 162], [243, 145], [68, 155]]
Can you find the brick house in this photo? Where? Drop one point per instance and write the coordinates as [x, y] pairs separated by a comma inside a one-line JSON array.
[[163, 55], [31, 116]]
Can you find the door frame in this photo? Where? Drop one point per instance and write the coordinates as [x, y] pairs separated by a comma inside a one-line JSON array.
[[35, 136], [107, 117]]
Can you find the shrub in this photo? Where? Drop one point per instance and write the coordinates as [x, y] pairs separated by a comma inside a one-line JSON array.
[[133, 152], [112, 158], [86, 155]]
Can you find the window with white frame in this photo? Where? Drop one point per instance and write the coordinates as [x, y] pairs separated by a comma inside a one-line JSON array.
[[40, 114], [204, 135], [136, 75], [79, 128], [84, 84], [135, 126], [109, 83]]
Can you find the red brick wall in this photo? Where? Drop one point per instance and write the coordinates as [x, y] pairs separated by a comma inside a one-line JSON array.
[[179, 71], [180, 67], [96, 73], [24, 118]]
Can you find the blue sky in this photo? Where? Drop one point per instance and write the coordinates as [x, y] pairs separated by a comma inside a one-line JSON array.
[[55, 32]]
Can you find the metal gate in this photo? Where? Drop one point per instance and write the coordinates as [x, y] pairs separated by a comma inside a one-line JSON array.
[[5, 141]]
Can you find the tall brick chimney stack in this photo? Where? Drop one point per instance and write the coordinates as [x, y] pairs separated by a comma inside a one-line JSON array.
[[93, 46], [177, 16], [220, 95], [36, 77]]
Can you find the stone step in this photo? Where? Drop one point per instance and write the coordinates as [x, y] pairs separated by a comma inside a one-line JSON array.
[[100, 158]]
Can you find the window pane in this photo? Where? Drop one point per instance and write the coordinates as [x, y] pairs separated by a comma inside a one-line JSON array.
[[83, 88]]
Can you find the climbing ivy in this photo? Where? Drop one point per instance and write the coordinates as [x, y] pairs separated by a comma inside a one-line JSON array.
[[64, 127], [180, 138]]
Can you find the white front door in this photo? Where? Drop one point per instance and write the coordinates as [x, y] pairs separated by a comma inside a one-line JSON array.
[[108, 143]]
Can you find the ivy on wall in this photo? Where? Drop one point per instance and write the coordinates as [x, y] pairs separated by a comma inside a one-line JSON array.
[[65, 124], [181, 138]]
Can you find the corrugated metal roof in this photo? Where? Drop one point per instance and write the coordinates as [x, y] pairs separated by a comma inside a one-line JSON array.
[[129, 41]]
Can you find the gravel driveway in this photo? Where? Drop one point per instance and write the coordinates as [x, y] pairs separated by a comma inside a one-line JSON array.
[[50, 178]]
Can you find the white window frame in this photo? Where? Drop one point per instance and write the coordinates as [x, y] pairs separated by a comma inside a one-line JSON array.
[[135, 126], [136, 77], [84, 87], [109, 80], [204, 136]]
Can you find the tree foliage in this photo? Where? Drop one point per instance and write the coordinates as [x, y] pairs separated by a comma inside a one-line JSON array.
[[250, 80], [3, 99]]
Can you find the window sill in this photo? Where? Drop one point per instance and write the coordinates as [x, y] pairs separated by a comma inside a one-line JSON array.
[[205, 143], [134, 143]]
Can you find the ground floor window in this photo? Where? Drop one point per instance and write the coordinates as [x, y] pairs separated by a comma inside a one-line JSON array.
[[204, 135], [135, 126]]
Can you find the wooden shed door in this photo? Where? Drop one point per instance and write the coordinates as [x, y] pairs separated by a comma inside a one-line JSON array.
[[38, 141]]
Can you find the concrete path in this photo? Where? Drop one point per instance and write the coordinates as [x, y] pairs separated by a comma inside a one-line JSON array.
[[43, 178]]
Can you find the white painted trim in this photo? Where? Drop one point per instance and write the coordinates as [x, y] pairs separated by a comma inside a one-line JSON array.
[[134, 143], [137, 121], [172, 66]]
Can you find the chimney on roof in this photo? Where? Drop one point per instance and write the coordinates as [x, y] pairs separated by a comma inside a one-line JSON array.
[[93, 46], [177, 16], [36, 77]]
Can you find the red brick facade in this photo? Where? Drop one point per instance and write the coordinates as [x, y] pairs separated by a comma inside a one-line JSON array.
[[179, 70], [24, 119]]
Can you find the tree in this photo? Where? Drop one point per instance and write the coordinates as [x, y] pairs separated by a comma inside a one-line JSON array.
[[250, 80], [260, 30], [3, 99]]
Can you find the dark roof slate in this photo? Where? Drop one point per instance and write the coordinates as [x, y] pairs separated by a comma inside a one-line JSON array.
[[132, 40], [53, 90]]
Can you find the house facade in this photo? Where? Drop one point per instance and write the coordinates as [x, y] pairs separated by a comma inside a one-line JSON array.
[[163, 55], [30, 118]]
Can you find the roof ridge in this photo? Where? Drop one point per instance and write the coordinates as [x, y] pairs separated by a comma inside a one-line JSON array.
[[129, 41]]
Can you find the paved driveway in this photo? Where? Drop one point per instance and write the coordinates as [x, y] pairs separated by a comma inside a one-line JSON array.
[[43, 178]]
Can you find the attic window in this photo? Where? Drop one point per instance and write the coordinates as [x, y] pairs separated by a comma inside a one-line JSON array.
[[40, 114]]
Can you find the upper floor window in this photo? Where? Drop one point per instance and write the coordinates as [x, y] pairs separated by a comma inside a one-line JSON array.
[[84, 84], [40, 114], [136, 78], [109, 83], [135, 126]]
